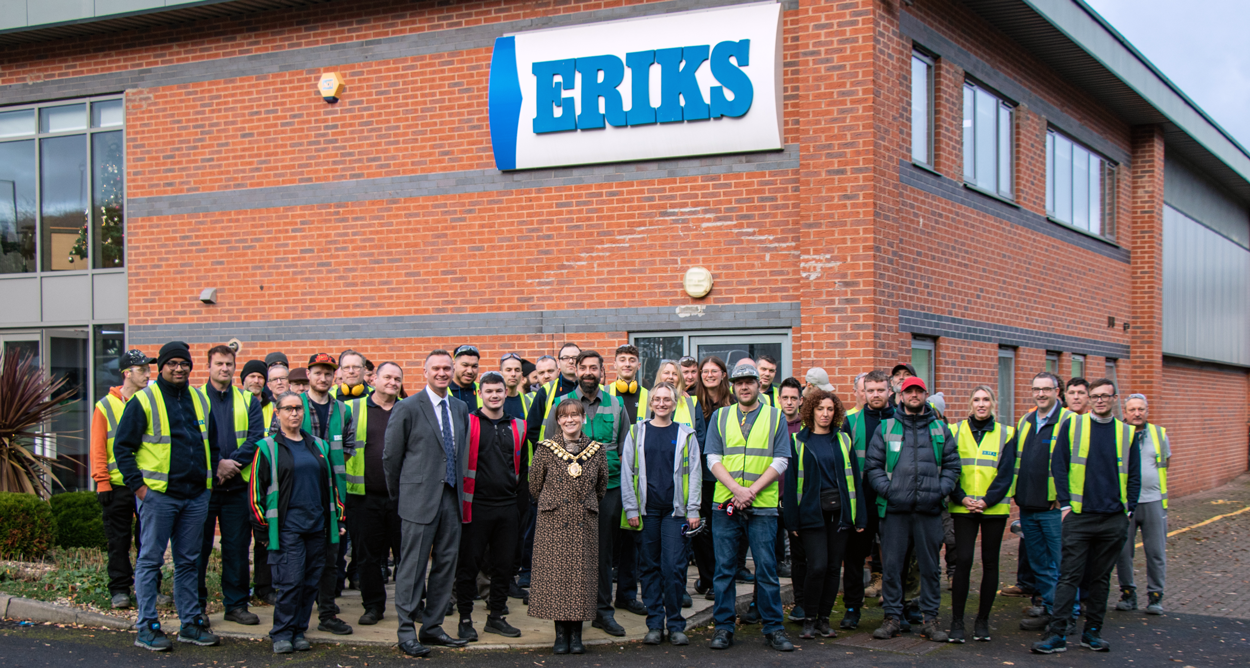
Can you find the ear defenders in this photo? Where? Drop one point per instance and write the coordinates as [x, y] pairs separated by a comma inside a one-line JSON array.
[[346, 390], [626, 388]]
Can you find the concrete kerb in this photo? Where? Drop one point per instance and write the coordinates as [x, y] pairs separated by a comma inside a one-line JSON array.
[[14, 607]]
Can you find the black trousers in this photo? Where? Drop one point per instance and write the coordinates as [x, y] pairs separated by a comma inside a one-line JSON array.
[[610, 537], [488, 543], [228, 510], [373, 520], [798, 569], [859, 545], [824, 549], [1090, 541], [327, 592], [118, 508], [262, 575], [704, 555], [991, 528], [924, 533]]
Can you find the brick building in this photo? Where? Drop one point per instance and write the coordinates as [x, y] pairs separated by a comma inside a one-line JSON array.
[[987, 188]]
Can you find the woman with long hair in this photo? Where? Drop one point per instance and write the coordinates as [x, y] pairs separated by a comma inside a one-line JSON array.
[[712, 392]]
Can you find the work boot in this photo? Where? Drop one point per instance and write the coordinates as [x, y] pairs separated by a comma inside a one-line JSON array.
[[609, 626], [1035, 623], [783, 569], [931, 631], [562, 639], [1015, 591], [241, 615], [1128, 599], [575, 638], [778, 641], [466, 630], [370, 617], [336, 626], [851, 619], [300, 643], [874, 586], [677, 638], [501, 626], [283, 647], [1053, 644], [196, 633], [752, 615], [890, 628], [956, 634], [722, 639], [824, 630], [120, 601], [1154, 603], [653, 637], [1092, 640], [809, 629], [981, 629]]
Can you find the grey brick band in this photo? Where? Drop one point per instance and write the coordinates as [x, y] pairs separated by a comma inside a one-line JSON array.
[[928, 324], [931, 40], [455, 183], [462, 326], [948, 189], [316, 57]]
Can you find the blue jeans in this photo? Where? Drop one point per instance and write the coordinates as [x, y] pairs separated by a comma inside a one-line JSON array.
[[761, 534], [179, 525], [230, 511], [1043, 536], [662, 559]]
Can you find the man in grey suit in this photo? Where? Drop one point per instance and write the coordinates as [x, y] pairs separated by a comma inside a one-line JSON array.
[[425, 456]]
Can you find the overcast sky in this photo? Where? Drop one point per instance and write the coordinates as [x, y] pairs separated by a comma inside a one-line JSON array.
[[1200, 46]]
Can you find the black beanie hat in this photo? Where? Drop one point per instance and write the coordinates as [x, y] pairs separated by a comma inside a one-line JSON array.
[[527, 367], [254, 366], [174, 350]]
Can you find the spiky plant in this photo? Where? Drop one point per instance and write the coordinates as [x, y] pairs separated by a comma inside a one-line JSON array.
[[29, 399]]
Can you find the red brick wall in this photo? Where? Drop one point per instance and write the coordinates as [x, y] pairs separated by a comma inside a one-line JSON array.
[[1206, 411]]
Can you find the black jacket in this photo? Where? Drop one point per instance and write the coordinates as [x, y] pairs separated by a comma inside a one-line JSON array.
[[187, 472], [286, 467], [920, 484], [807, 515]]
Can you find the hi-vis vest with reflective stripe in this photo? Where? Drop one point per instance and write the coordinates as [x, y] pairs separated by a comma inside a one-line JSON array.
[[1079, 428], [355, 467], [527, 400], [859, 436], [1155, 433], [266, 414], [112, 408], [240, 405], [643, 405], [153, 455], [848, 473], [683, 413], [1026, 423], [773, 396], [892, 429], [268, 512], [979, 465], [748, 456], [334, 436]]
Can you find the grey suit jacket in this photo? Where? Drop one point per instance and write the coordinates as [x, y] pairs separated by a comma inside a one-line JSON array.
[[413, 458]]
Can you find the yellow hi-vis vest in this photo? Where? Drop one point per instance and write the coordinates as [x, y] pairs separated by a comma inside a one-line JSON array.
[[979, 465], [355, 468], [1078, 434], [1157, 435], [266, 413], [747, 457], [241, 402], [153, 455], [772, 397], [845, 442], [1022, 433], [112, 408]]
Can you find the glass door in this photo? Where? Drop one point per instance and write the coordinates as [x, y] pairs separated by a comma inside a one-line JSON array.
[[731, 347], [69, 358]]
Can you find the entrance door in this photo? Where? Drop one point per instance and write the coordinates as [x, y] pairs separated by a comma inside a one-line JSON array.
[[69, 358]]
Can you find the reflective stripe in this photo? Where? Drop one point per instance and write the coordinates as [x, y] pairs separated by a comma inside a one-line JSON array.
[[271, 513], [155, 475], [113, 466], [355, 480]]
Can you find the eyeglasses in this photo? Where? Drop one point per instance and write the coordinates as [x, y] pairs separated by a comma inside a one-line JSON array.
[[510, 356], [290, 409], [1043, 390], [179, 365], [1101, 397], [568, 358], [354, 367], [276, 379]]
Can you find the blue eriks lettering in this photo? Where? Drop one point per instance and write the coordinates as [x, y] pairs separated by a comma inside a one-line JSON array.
[[593, 88], [640, 110], [550, 96], [680, 97], [731, 77]]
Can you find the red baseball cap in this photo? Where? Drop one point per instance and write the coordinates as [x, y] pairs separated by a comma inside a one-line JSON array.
[[914, 381]]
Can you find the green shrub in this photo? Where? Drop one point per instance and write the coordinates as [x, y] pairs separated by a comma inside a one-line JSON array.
[[27, 526], [79, 522]]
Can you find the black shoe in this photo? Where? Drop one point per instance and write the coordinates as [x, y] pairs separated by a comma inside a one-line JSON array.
[[451, 609], [809, 630], [1035, 623], [608, 625], [270, 599], [797, 613], [686, 601], [778, 641], [722, 639], [744, 575], [441, 640], [466, 632], [709, 596], [283, 647], [523, 580], [783, 569], [336, 626], [956, 634], [516, 591], [653, 637], [242, 616], [562, 639], [633, 605], [700, 587], [1051, 645], [414, 648], [500, 626], [851, 619], [575, 638], [1092, 639], [370, 617], [752, 615], [824, 630], [677, 638], [981, 629], [301, 644], [890, 628]]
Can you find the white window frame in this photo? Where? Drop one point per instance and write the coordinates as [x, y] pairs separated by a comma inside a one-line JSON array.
[[691, 340], [1063, 157], [1052, 362], [1077, 359], [999, 179], [929, 374], [926, 145], [1006, 395]]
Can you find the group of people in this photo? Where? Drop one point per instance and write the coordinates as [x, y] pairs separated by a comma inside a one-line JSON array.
[[572, 493]]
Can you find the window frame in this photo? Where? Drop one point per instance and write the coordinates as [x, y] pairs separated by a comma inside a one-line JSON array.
[[929, 374], [1004, 155], [930, 102], [1077, 359], [1052, 361], [1007, 393], [1107, 187]]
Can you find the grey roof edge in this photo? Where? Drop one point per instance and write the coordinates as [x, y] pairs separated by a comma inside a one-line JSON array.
[[1092, 33]]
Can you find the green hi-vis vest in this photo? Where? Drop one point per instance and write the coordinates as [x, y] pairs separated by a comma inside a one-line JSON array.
[[355, 468], [1157, 435], [265, 505], [845, 442], [1022, 434], [601, 428], [748, 456], [638, 459], [859, 436], [152, 457], [643, 405], [892, 429], [1078, 434], [112, 408], [334, 436], [683, 412], [239, 408], [979, 465]]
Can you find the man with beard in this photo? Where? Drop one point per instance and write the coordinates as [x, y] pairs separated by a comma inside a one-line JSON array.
[[466, 361], [516, 403], [860, 426]]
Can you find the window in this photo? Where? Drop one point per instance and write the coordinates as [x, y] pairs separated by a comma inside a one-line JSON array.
[[921, 109], [922, 350], [1007, 385], [1078, 366], [1111, 374], [987, 141], [1052, 363], [62, 187], [1080, 186], [731, 347]]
